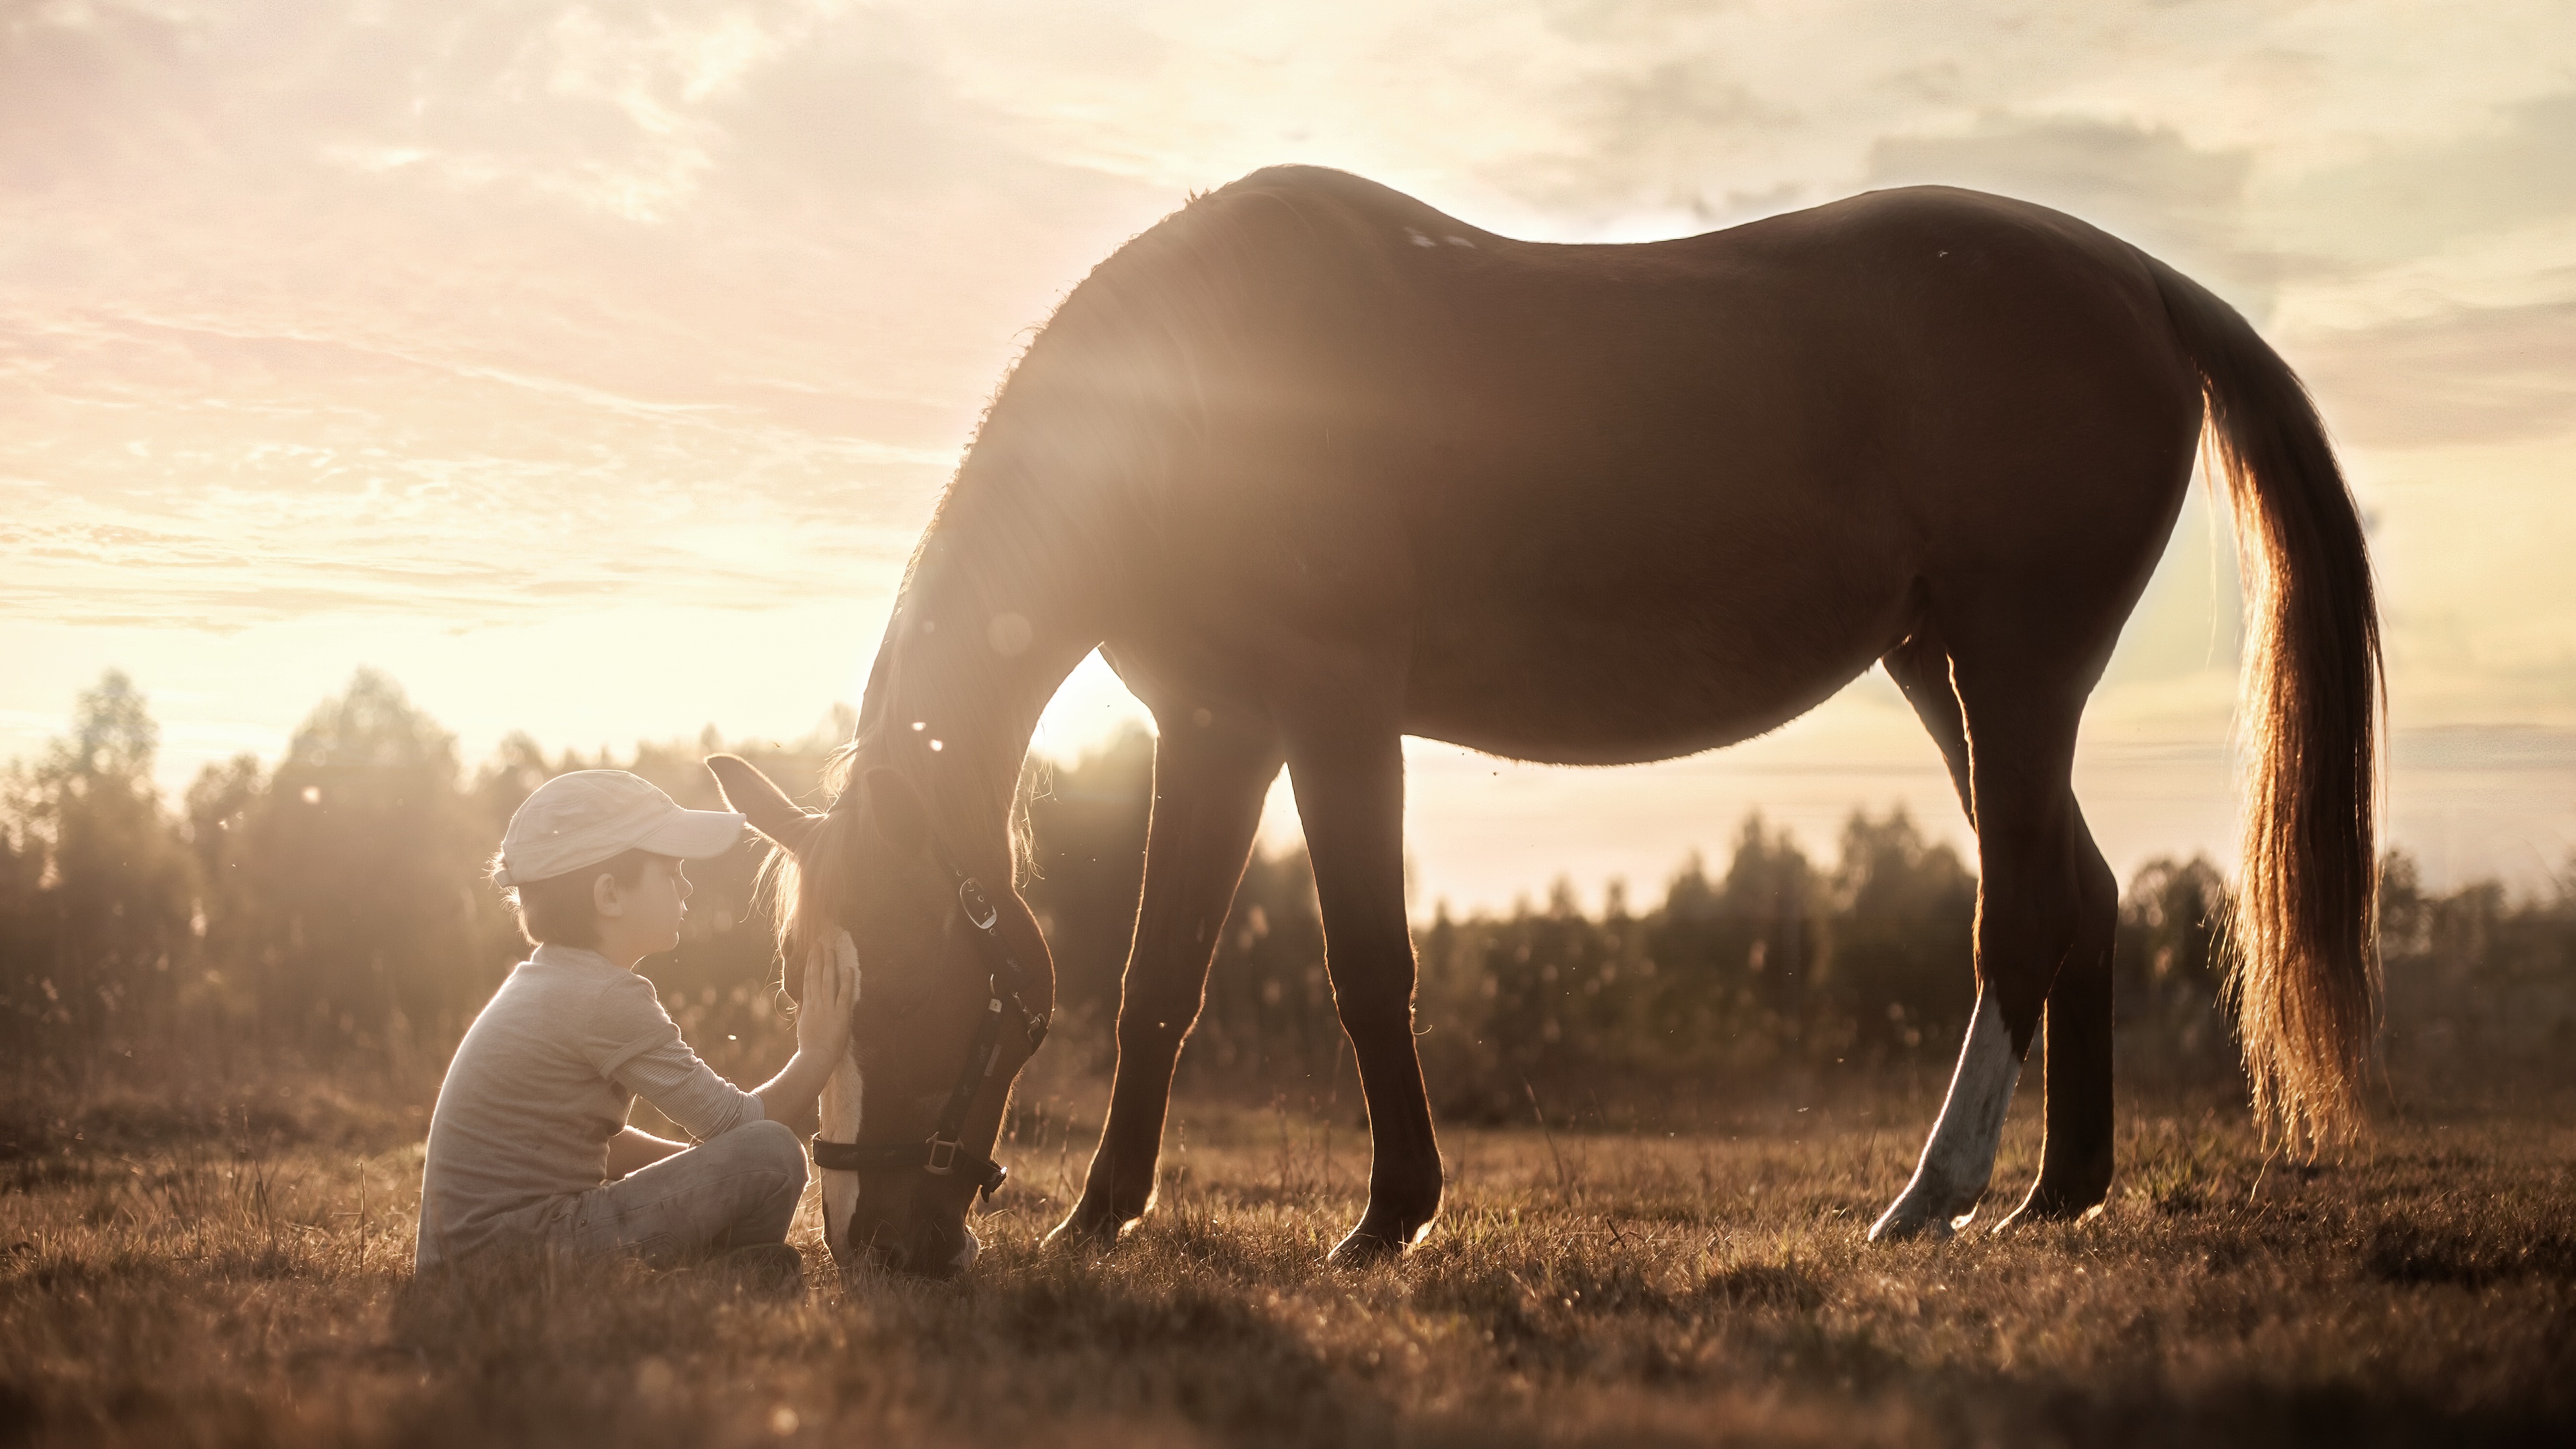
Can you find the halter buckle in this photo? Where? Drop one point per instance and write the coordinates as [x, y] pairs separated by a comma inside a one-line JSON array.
[[979, 911], [943, 1157]]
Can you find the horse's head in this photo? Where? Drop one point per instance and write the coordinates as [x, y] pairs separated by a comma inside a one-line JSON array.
[[952, 974]]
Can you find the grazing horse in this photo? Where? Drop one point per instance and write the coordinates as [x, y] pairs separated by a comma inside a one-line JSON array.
[[1316, 467]]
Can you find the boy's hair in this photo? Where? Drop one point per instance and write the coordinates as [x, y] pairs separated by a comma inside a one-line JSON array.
[[560, 910]]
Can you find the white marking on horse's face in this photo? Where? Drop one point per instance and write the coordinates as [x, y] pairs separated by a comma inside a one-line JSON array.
[[844, 1093], [1959, 1156]]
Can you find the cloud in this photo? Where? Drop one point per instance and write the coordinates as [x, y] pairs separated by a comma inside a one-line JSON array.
[[213, 479], [2410, 197], [323, 312], [2148, 185], [2538, 748], [2472, 374], [1660, 135]]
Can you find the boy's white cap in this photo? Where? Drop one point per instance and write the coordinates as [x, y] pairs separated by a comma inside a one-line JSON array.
[[589, 816]]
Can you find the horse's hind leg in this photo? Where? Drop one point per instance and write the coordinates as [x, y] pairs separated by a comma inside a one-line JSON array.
[[2035, 893], [1209, 781], [1921, 668], [2075, 1165]]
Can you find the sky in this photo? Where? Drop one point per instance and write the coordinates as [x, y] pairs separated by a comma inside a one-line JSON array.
[[591, 368]]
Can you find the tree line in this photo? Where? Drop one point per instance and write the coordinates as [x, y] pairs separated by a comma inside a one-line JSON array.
[[332, 913]]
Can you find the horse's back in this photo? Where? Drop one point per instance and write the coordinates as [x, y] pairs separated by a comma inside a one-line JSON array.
[[1633, 500], [1807, 349]]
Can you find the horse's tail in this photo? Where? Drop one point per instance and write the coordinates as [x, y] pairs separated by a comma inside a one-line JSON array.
[[2304, 978]]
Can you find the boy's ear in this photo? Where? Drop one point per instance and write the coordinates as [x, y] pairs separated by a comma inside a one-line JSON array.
[[762, 803], [896, 808]]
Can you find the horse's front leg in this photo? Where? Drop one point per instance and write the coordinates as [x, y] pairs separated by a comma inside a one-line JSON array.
[[1347, 765], [1209, 781], [838, 1115]]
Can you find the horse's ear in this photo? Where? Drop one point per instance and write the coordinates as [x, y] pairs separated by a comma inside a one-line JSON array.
[[762, 803], [896, 808]]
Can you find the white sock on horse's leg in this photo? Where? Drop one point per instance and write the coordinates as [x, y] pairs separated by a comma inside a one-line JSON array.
[[1959, 1156], [843, 1093]]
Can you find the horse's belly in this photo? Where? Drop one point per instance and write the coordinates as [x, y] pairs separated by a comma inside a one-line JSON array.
[[1669, 674]]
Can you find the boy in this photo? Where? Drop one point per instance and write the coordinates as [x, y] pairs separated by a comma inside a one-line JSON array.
[[528, 1146]]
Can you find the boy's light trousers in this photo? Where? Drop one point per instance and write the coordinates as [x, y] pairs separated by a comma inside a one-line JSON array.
[[733, 1190]]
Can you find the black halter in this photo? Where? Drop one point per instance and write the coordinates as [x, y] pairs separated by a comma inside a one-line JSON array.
[[1005, 984]]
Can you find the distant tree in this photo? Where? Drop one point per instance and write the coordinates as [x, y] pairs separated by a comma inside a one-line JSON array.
[[26, 1010], [2476, 973], [1734, 959], [1904, 913], [1269, 1025], [218, 810], [2405, 911], [513, 773], [1696, 947], [2169, 957], [362, 863], [219, 802], [1547, 1015], [1773, 892], [103, 893]]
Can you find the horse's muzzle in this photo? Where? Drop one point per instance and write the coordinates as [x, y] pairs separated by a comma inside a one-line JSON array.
[[923, 1247]]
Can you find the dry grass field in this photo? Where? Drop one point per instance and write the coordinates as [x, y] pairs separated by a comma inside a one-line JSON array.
[[242, 1275]]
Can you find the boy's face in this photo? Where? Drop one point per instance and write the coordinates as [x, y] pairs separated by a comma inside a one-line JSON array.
[[644, 918]]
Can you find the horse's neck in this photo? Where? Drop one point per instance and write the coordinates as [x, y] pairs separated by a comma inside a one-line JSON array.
[[970, 670]]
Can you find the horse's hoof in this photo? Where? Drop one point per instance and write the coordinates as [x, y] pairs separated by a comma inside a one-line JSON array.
[[1906, 1220], [1374, 1242], [1364, 1249], [1082, 1231], [2049, 1211]]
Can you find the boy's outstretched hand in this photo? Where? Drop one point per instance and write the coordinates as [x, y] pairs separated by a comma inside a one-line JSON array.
[[831, 989], [822, 1034]]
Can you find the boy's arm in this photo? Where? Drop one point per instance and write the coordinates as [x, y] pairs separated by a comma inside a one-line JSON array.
[[634, 1149], [632, 1041], [822, 1037]]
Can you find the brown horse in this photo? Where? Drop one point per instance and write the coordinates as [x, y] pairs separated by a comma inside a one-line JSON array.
[[1316, 467]]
